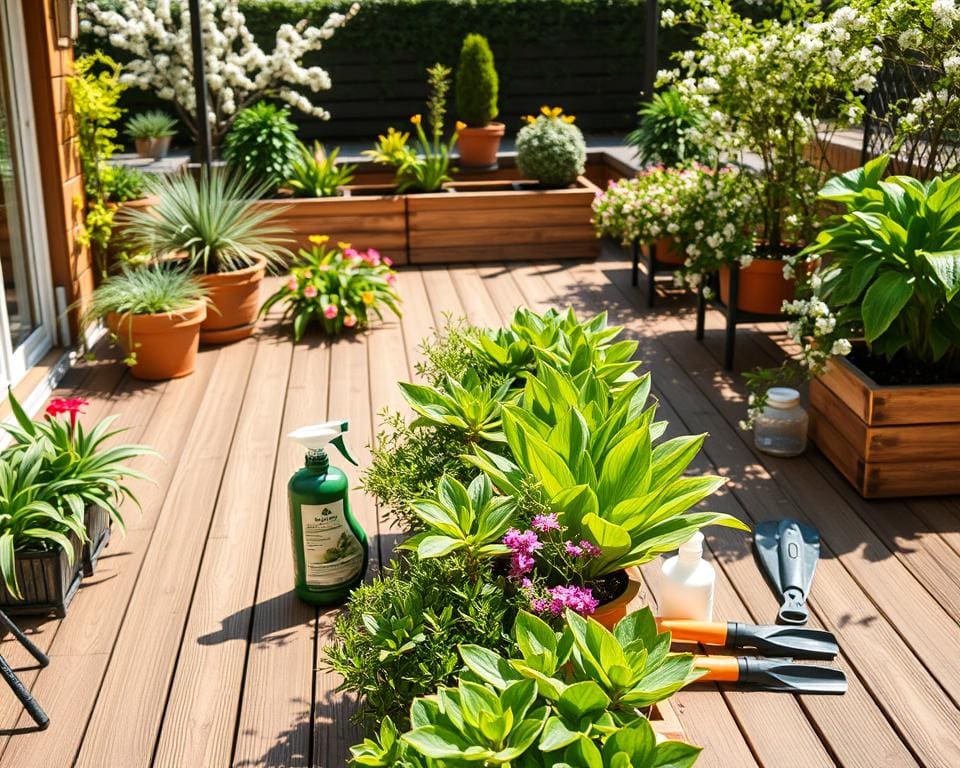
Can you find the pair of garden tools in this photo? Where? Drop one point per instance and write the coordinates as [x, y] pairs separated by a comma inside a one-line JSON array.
[[15, 683], [778, 673]]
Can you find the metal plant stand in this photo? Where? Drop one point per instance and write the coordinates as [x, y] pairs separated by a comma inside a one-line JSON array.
[[654, 268], [16, 685]]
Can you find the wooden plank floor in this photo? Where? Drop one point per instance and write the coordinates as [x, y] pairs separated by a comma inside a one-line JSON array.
[[189, 649]]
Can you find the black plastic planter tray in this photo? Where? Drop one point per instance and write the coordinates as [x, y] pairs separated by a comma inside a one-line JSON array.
[[47, 582], [97, 522]]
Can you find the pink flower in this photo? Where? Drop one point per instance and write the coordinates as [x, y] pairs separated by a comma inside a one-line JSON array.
[[590, 549], [330, 311], [577, 599], [373, 256], [525, 543], [351, 253], [310, 292], [292, 284], [520, 565], [71, 405], [572, 549], [349, 321], [544, 523], [539, 605], [391, 279], [388, 261]]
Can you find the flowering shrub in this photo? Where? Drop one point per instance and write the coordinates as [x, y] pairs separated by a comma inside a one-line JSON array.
[[336, 288], [239, 72], [550, 148]]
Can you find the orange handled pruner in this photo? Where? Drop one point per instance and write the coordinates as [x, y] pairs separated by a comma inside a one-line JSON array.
[[772, 674], [796, 642]]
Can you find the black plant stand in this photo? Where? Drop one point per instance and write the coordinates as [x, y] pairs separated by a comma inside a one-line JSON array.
[[16, 685], [654, 267], [730, 311]]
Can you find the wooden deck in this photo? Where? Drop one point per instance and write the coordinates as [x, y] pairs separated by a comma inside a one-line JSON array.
[[188, 648]]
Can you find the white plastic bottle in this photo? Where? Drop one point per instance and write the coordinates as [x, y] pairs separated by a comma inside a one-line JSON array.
[[688, 581]]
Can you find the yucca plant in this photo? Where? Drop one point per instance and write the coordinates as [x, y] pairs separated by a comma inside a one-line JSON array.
[[154, 124], [213, 219], [317, 174]]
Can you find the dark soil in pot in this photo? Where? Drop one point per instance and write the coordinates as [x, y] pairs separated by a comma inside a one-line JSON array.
[[902, 370]]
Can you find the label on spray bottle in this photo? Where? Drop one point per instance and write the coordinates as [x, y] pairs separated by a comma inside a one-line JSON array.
[[331, 553]]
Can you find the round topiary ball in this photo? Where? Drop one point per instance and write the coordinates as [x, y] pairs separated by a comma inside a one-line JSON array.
[[551, 149]]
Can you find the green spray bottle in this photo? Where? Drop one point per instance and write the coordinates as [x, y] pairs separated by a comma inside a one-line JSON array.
[[329, 547]]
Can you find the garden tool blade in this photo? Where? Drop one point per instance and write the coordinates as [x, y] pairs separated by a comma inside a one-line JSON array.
[[780, 675], [769, 639], [788, 551]]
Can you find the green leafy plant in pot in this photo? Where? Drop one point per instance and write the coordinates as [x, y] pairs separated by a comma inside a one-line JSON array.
[[671, 131], [215, 222], [262, 144], [477, 87], [152, 133]]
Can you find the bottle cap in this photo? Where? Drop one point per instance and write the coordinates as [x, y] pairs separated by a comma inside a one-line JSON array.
[[316, 436], [692, 548], [782, 397]]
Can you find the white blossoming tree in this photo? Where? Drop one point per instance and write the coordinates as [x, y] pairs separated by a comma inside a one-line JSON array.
[[239, 72]]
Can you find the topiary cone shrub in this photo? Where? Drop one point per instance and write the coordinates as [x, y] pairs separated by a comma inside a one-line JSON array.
[[477, 86], [551, 149]]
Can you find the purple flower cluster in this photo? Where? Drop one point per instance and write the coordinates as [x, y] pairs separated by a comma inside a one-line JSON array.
[[545, 523], [583, 549], [523, 544], [577, 599]]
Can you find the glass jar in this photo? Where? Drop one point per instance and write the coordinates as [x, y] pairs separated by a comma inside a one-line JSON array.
[[781, 430]]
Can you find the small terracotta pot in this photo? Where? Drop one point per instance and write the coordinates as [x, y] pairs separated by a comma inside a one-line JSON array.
[[478, 146], [235, 300], [156, 148], [762, 289], [668, 251], [630, 600], [165, 344]]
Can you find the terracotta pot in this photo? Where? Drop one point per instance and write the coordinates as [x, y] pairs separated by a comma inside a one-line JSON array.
[[117, 244], [235, 300], [478, 146], [630, 600], [156, 148], [668, 251], [763, 288], [165, 344]]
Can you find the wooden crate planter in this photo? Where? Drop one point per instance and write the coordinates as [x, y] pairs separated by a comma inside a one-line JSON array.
[[98, 524], [501, 220], [887, 440], [47, 582], [364, 220]]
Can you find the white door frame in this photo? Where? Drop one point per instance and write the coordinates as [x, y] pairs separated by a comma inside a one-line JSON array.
[[23, 143]]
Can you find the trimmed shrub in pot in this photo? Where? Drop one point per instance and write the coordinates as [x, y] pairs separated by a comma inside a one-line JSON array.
[[262, 144], [154, 314], [477, 87], [214, 221], [151, 133], [551, 149]]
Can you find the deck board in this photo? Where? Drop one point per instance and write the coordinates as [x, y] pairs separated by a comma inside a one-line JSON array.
[[188, 647]]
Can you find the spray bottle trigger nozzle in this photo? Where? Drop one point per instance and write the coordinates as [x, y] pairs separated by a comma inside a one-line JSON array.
[[340, 446]]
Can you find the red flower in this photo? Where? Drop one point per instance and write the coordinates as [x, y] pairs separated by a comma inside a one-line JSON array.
[[71, 405]]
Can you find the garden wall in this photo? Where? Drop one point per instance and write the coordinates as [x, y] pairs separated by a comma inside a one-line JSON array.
[[585, 55]]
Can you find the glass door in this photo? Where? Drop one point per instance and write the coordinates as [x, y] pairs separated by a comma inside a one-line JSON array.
[[26, 312]]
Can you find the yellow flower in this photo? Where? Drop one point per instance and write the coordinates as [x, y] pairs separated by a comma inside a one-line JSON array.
[[568, 118], [367, 297], [342, 245], [416, 119], [530, 118], [556, 112], [319, 239], [460, 125], [545, 110]]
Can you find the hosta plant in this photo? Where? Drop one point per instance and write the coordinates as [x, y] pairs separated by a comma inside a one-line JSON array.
[[336, 288], [317, 174]]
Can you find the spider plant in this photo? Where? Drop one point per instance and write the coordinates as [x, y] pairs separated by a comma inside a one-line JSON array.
[[316, 174], [29, 519], [214, 219], [150, 290]]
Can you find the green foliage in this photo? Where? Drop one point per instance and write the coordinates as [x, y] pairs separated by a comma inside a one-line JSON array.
[[122, 183], [262, 144], [892, 263], [335, 288], [467, 519], [670, 131], [568, 700], [469, 406], [477, 82], [154, 124], [448, 351], [146, 291], [551, 149], [214, 219], [592, 451], [392, 148], [398, 638], [317, 174]]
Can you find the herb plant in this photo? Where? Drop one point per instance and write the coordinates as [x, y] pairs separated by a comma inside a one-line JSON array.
[[121, 183], [477, 84], [154, 124], [551, 149], [672, 132], [317, 174], [262, 144], [336, 288]]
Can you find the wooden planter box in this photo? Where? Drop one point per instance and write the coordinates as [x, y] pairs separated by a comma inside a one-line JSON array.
[[887, 440], [501, 220], [47, 582], [363, 220], [98, 524]]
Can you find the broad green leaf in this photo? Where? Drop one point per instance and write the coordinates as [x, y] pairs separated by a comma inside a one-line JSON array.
[[438, 546], [946, 266], [883, 301]]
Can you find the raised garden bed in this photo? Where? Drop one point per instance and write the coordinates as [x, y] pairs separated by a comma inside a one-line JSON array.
[[887, 440]]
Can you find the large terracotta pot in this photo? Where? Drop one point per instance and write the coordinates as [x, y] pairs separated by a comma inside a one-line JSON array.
[[610, 613], [668, 251], [235, 300], [155, 148], [478, 146], [165, 344], [762, 289]]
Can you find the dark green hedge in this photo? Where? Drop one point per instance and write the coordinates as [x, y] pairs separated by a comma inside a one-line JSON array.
[[586, 55]]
